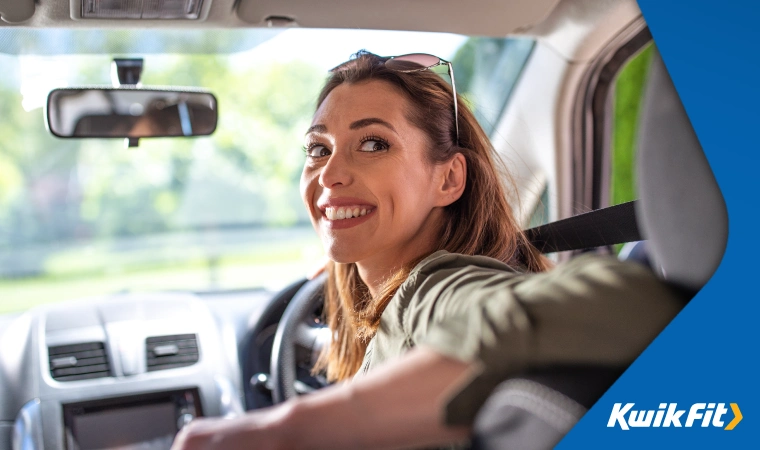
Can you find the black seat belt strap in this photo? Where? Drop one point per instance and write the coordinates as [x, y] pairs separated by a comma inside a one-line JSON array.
[[606, 226]]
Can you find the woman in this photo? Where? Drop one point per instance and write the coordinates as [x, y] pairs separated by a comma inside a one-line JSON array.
[[431, 274]]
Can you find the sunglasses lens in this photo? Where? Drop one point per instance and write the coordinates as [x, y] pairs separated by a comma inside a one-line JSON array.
[[405, 62]]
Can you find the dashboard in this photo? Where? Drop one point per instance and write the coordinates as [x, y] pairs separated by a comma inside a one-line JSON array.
[[128, 370]]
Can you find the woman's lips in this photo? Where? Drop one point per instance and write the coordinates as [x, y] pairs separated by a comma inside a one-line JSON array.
[[346, 216], [346, 212]]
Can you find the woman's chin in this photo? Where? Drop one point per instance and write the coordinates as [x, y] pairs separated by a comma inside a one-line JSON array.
[[342, 258], [344, 254]]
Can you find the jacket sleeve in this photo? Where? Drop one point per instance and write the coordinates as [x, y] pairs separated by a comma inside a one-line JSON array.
[[590, 311]]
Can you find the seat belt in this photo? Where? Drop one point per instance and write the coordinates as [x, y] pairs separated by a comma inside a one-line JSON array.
[[598, 228]]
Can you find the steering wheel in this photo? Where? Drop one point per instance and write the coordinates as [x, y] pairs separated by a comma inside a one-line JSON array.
[[297, 328]]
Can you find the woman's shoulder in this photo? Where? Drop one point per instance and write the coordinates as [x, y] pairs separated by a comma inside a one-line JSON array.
[[444, 260], [443, 270]]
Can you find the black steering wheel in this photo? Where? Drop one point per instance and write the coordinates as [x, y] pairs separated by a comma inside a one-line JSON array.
[[299, 338]]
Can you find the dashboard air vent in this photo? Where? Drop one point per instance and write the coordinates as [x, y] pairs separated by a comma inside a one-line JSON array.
[[78, 361], [169, 352]]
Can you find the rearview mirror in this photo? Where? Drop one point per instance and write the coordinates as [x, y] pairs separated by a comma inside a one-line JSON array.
[[130, 113]]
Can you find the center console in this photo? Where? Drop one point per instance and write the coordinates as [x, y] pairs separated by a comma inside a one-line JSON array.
[[126, 372], [145, 422]]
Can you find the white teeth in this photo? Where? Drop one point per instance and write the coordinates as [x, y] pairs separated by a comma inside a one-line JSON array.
[[345, 212]]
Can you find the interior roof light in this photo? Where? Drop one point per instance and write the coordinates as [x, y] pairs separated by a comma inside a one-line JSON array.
[[141, 9]]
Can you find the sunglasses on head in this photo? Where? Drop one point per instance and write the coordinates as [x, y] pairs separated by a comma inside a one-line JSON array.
[[417, 62]]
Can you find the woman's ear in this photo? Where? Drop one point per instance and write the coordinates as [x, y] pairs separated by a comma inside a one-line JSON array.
[[454, 179]]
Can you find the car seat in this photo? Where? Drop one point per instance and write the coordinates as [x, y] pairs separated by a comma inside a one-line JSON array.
[[682, 215]]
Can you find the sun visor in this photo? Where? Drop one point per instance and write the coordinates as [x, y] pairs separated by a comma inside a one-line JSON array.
[[16, 11], [477, 17]]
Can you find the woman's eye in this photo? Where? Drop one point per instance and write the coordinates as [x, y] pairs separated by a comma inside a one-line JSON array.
[[317, 151], [373, 145]]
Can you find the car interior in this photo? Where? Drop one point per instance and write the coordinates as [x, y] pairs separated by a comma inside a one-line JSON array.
[[573, 93]]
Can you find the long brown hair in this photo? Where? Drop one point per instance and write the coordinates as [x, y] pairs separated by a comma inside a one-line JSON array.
[[479, 223]]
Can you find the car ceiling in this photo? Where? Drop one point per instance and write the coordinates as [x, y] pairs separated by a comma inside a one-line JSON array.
[[575, 29], [474, 17]]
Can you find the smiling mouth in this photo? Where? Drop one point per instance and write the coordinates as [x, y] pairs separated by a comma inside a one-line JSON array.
[[346, 212]]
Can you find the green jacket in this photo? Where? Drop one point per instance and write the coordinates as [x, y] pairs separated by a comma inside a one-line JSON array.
[[592, 310]]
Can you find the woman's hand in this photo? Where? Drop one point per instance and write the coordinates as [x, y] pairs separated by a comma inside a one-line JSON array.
[[260, 429], [398, 405]]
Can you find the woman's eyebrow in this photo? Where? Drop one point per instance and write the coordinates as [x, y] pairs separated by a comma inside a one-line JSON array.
[[361, 123], [370, 121], [318, 128]]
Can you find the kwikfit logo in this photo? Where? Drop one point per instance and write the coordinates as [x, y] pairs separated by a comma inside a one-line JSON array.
[[668, 415]]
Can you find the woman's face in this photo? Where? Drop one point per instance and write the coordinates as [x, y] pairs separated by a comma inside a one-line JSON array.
[[372, 195]]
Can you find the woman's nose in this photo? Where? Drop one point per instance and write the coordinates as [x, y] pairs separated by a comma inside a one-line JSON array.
[[336, 172]]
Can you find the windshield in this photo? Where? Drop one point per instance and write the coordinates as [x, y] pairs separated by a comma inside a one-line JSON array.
[[89, 217]]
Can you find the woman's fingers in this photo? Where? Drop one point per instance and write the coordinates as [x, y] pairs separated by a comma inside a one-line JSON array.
[[263, 427], [208, 434]]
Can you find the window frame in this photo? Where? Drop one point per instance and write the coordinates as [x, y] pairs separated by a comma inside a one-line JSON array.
[[593, 119]]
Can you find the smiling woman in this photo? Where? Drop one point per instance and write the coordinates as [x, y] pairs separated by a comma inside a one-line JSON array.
[[434, 295], [393, 183], [389, 139]]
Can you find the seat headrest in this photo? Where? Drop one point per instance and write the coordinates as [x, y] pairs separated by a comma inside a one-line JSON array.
[[681, 210]]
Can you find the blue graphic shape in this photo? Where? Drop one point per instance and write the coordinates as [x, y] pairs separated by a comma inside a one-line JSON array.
[[710, 351]]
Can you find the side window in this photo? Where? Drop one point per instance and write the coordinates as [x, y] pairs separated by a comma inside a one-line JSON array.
[[486, 71], [627, 98], [628, 93], [540, 214]]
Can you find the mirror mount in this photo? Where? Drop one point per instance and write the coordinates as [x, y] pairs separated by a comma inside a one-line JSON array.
[[126, 71]]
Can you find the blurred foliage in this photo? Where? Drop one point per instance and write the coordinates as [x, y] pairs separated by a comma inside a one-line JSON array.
[[58, 192], [629, 88], [58, 189]]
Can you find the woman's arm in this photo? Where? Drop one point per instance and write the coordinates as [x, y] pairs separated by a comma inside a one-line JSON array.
[[592, 310], [397, 405]]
